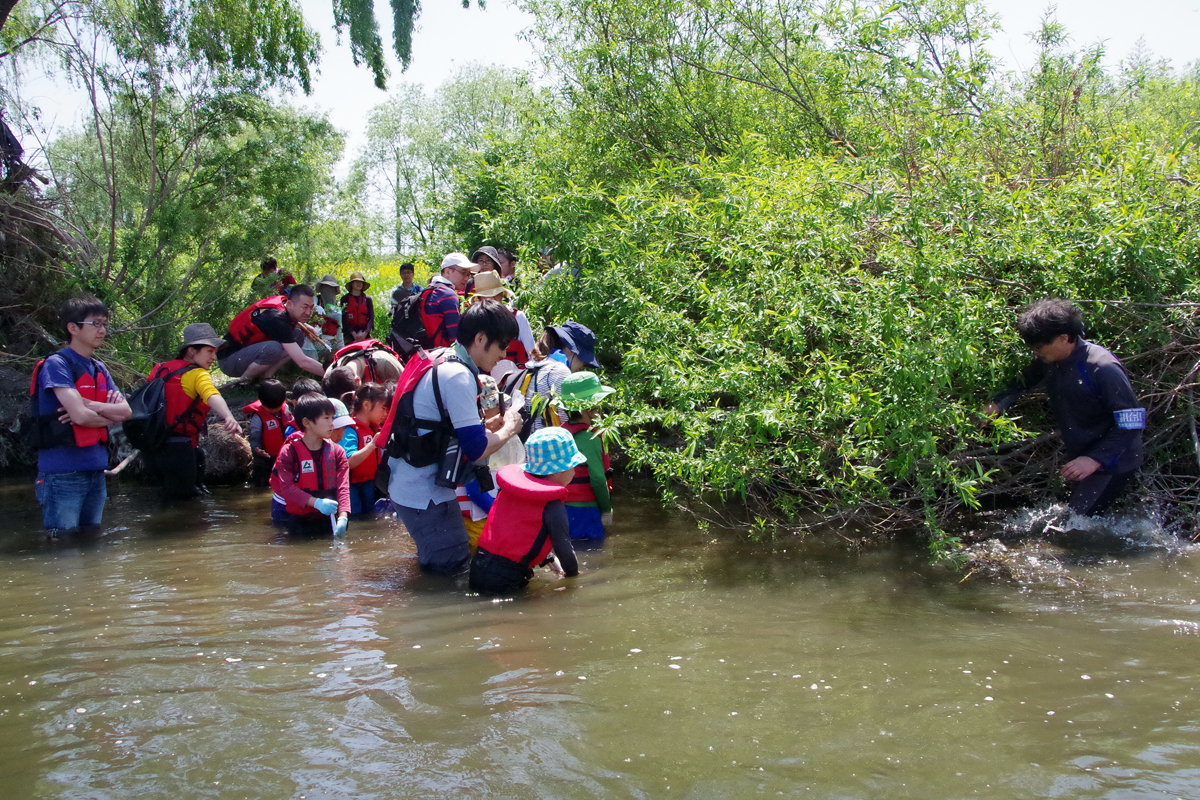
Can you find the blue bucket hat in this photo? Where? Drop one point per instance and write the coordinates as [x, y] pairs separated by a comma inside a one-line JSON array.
[[580, 340], [551, 450]]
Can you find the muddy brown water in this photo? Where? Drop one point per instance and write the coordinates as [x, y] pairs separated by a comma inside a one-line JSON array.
[[190, 653]]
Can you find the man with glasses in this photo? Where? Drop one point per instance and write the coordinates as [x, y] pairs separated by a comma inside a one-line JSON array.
[[1094, 404], [76, 400], [440, 306]]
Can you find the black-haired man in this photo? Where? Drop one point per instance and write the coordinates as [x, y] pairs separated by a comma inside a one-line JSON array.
[[428, 510], [1095, 405], [76, 402], [266, 334]]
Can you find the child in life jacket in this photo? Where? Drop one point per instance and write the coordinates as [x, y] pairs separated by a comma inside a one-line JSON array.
[[527, 525], [301, 387], [311, 479], [473, 502], [371, 404], [269, 420], [589, 504]]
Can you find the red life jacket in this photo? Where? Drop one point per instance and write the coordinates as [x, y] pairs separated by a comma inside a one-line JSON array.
[[517, 353], [355, 313], [273, 425], [514, 527], [51, 432], [435, 324], [580, 490], [329, 327], [365, 471], [185, 415], [319, 480], [243, 331]]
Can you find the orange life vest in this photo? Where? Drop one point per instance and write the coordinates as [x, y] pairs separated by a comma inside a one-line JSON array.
[[514, 526], [580, 490], [273, 425], [185, 415], [517, 353], [365, 471], [318, 480], [355, 313], [51, 432], [242, 329]]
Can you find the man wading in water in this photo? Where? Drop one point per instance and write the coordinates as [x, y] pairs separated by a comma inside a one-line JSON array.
[[1094, 404], [76, 400]]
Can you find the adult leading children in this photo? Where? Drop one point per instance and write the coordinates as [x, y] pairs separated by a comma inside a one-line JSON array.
[[428, 510], [1093, 401], [266, 335], [76, 400]]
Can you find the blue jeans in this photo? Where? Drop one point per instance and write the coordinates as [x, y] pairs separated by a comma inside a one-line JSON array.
[[71, 500], [362, 497], [441, 536]]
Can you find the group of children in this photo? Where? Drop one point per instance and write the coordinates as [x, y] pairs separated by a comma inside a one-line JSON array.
[[322, 458]]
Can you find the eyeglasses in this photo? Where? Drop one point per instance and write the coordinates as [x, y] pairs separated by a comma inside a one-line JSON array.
[[100, 326]]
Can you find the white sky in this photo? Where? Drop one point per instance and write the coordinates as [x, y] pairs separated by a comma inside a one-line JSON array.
[[449, 36]]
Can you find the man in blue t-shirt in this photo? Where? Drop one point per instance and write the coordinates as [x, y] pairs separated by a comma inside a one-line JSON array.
[[76, 402]]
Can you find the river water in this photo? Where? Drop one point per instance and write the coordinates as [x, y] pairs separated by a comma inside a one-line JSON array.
[[189, 653]]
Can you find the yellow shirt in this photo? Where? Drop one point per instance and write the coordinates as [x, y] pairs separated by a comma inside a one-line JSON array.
[[198, 383]]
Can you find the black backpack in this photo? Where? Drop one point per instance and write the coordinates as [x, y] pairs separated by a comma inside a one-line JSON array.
[[408, 328], [147, 428]]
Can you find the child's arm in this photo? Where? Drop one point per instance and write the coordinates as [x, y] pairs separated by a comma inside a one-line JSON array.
[[590, 445], [342, 465], [360, 454], [554, 518]]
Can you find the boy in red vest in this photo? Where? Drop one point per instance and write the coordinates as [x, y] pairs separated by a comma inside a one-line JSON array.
[[269, 421], [190, 394], [528, 519], [311, 478], [589, 504], [75, 400]]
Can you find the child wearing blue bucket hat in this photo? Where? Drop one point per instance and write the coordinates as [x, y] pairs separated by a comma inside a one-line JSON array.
[[528, 519]]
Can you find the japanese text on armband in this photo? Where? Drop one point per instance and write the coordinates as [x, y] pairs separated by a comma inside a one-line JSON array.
[[1131, 419]]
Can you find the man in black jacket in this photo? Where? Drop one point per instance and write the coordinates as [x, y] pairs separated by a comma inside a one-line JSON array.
[[1095, 405]]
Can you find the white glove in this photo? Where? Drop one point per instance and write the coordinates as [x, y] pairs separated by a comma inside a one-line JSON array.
[[606, 519]]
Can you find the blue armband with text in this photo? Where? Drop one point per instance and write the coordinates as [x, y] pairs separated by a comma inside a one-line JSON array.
[[1131, 419]]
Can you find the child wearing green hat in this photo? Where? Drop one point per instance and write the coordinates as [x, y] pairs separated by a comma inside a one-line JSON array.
[[589, 502], [528, 518]]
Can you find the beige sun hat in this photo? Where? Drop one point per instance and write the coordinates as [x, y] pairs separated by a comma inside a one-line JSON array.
[[358, 276], [490, 284]]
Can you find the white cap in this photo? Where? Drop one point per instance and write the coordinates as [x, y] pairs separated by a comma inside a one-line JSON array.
[[457, 260]]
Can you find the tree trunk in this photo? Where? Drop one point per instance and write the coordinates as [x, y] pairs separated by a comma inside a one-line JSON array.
[[6, 7]]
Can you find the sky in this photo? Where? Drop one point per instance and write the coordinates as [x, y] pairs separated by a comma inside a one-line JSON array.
[[449, 36]]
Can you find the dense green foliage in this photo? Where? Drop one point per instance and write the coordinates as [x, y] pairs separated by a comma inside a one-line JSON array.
[[806, 309]]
